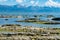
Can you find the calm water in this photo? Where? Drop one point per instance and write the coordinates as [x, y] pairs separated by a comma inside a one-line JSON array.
[[12, 20], [30, 13]]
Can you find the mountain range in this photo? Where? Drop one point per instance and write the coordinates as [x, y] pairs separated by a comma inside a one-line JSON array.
[[19, 8]]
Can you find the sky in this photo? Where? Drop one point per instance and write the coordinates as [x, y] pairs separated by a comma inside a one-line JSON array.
[[26, 3]]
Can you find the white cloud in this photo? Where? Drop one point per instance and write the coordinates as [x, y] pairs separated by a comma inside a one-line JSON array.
[[37, 3], [32, 2], [51, 3], [3, 0], [19, 1], [24, 3]]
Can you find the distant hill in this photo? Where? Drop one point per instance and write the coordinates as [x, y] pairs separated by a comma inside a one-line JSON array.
[[18, 8]]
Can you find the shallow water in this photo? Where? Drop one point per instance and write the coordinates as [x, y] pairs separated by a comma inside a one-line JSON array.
[[12, 20]]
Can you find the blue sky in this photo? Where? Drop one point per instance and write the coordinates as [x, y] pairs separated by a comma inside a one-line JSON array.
[[55, 3]]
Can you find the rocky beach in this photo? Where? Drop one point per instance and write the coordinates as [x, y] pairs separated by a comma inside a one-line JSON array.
[[17, 32]]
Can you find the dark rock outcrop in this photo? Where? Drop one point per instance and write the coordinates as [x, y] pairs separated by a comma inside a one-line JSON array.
[[56, 19]]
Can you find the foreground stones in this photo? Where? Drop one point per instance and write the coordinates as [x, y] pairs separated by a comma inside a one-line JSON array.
[[29, 38], [15, 32]]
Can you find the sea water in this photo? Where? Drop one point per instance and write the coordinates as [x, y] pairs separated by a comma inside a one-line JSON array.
[[12, 20]]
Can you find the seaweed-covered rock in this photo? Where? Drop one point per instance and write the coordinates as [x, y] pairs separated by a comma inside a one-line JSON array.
[[11, 25], [56, 19]]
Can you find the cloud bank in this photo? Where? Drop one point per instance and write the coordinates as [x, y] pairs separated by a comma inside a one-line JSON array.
[[52, 3], [27, 3], [49, 3], [30, 3], [19, 1]]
